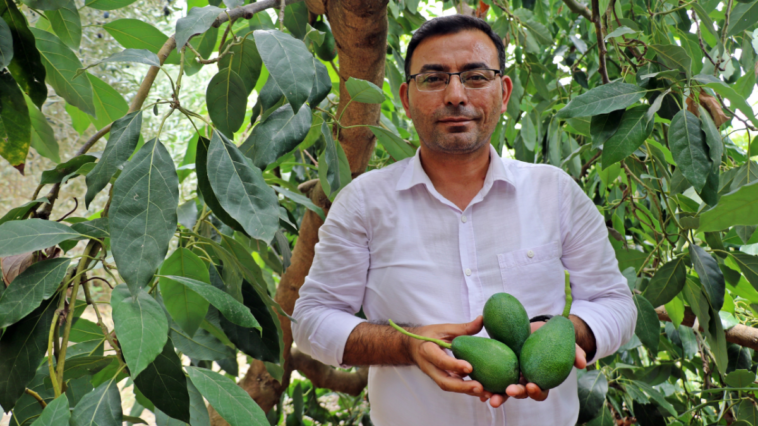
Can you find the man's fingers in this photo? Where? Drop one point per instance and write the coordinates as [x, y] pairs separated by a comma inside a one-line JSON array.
[[442, 361], [581, 358], [498, 400], [535, 392], [466, 328], [516, 391]]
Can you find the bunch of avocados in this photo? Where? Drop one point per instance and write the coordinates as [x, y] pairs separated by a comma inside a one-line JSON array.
[[544, 357]]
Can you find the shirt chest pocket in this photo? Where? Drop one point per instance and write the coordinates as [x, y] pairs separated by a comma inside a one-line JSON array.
[[535, 277]]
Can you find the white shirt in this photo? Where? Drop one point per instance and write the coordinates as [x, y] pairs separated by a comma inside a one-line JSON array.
[[393, 245]]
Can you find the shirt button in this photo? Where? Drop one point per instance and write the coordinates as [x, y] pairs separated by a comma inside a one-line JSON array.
[[468, 272], [530, 254], [463, 219]]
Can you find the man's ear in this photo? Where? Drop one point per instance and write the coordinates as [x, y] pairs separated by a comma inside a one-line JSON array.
[[507, 90], [404, 98]]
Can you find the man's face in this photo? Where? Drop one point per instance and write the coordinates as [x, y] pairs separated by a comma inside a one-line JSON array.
[[456, 120]]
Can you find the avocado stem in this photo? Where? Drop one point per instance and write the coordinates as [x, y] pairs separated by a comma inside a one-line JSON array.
[[416, 336], [569, 299]]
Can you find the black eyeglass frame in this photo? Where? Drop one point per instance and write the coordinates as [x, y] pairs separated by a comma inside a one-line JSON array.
[[450, 75]]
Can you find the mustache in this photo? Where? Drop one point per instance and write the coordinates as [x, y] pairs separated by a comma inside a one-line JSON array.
[[456, 111]]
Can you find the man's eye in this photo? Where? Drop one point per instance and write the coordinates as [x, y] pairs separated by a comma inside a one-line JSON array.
[[432, 79], [476, 77]]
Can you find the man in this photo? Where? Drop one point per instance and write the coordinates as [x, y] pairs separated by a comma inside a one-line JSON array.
[[427, 240]]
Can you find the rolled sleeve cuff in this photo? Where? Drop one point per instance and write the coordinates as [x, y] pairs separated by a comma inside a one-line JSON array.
[[596, 317], [328, 341]]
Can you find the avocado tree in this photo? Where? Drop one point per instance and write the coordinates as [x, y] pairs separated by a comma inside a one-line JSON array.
[[645, 103]]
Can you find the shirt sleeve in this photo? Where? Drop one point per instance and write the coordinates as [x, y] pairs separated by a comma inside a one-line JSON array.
[[334, 288], [602, 298]]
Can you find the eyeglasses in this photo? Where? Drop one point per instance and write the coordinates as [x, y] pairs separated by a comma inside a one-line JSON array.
[[438, 80]]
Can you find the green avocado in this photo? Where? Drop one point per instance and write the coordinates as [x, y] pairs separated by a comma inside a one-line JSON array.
[[548, 355], [328, 50], [506, 320], [495, 364]]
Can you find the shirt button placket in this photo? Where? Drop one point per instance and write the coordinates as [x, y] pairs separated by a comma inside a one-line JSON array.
[[468, 263]]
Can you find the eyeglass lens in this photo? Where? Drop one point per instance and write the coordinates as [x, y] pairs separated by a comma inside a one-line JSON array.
[[434, 81]]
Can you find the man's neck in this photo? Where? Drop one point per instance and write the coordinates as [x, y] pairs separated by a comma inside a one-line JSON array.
[[457, 177]]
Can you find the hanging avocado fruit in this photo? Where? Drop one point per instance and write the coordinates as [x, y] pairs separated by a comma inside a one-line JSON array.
[[328, 50], [506, 321], [548, 355], [494, 364]]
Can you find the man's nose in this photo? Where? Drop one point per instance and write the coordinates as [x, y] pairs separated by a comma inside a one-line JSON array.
[[455, 93]]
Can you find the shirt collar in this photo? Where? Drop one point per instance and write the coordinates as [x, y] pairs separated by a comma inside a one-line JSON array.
[[414, 173]]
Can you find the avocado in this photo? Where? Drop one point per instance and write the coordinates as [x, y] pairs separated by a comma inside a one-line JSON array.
[[494, 364], [506, 320], [548, 355], [327, 51]]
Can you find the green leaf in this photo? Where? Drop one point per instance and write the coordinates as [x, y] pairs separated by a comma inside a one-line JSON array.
[[746, 411], [164, 384], [734, 208], [657, 397], [143, 214], [43, 136], [289, 63], [226, 304], [712, 138], [96, 228], [140, 56], [25, 293], [748, 265], [364, 91], [620, 31], [85, 365], [245, 61], [689, 148], [710, 275], [136, 34], [60, 66], [26, 65], [717, 341], [241, 190], [604, 126], [142, 330], [66, 23], [602, 99], [314, 35], [15, 124], [187, 213], [204, 44], [63, 171], [605, 418], [673, 56], [338, 171], [22, 210], [593, 386], [396, 147], [108, 4], [186, 307], [226, 97], [295, 19], [229, 400], [322, 84], [6, 44], [742, 17], [204, 185], [202, 345], [278, 134], [56, 413], [632, 131], [101, 407], [109, 104], [648, 328], [300, 199], [79, 120], [667, 282], [123, 139], [198, 20], [23, 236]]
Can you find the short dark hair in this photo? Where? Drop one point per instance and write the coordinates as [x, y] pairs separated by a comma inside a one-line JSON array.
[[451, 25]]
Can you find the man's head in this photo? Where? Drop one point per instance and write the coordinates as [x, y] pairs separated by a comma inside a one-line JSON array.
[[457, 118]]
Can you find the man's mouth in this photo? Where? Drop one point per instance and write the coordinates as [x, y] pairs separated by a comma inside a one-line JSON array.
[[456, 120]]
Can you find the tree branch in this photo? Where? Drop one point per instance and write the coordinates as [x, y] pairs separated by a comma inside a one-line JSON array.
[[602, 52], [740, 334], [579, 8], [324, 376]]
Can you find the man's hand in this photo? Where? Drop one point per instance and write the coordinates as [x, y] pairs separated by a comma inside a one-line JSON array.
[[523, 389], [445, 370]]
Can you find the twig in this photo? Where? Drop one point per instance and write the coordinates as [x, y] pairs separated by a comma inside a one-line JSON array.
[[106, 332], [36, 396], [602, 52], [587, 165], [315, 163], [76, 206], [579, 8]]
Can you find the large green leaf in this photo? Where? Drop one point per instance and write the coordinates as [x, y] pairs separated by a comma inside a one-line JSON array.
[[22, 348], [364, 91], [43, 136], [229, 400], [689, 148], [22, 210], [136, 34], [395, 146], [632, 131], [289, 64], [25, 293], [26, 65], [337, 170], [593, 387], [186, 307], [748, 265], [296, 18], [197, 21], [55, 414], [711, 277], [648, 328], [278, 134], [241, 190], [109, 104], [602, 99], [226, 97], [61, 65], [164, 384], [667, 282], [108, 4], [22, 236], [67, 24], [95, 228], [742, 17], [101, 407], [15, 124], [204, 185], [226, 304], [123, 139], [6, 44], [712, 138], [142, 329], [673, 56], [203, 345], [139, 56], [244, 60], [322, 84], [603, 126], [300, 199], [64, 171], [143, 214], [735, 208], [85, 365]]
